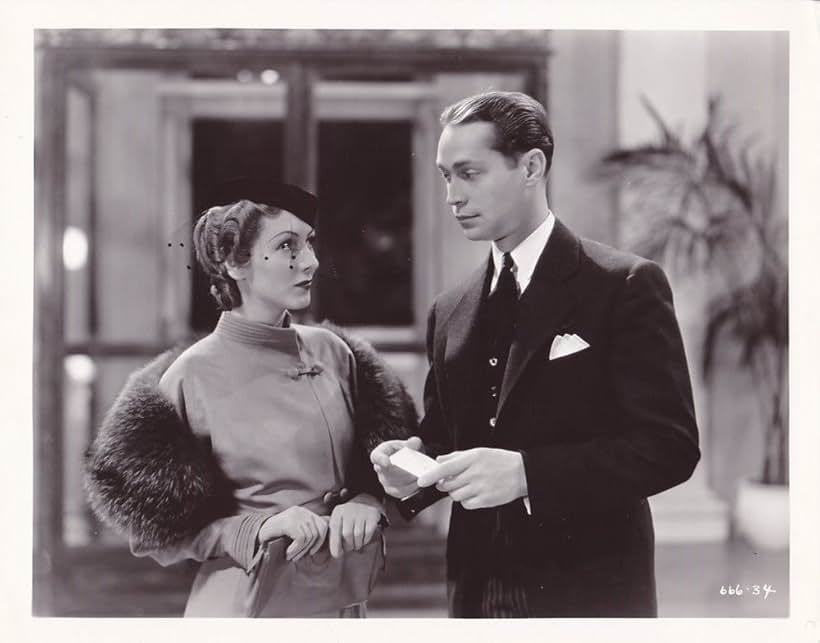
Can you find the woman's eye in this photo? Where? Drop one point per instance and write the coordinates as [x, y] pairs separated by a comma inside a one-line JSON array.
[[285, 245]]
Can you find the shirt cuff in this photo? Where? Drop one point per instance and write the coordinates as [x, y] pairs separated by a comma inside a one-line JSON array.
[[527, 506]]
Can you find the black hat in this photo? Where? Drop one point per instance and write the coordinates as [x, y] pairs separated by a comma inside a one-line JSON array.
[[292, 198]]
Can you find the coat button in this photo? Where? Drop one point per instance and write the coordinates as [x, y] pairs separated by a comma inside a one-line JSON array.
[[492, 423], [493, 361]]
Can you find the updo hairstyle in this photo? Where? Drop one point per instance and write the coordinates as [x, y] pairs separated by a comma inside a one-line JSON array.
[[223, 234]]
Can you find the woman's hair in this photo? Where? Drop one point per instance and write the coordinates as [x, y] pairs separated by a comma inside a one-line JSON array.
[[520, 121], [224, 234]]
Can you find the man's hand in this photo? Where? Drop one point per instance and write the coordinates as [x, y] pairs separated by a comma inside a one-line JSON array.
[[396, 482], [353, 524], [479, 478]]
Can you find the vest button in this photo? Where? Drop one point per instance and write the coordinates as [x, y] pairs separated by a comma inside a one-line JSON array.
[[492, 423], [493, 361]]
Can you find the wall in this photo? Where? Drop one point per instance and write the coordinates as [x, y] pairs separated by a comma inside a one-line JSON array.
[[750, 70], [597, 79]]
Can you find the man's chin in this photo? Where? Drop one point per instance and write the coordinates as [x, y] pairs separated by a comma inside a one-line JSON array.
[[475, 234]]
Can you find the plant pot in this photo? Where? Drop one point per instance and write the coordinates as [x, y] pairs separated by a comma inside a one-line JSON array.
[[762, 514]]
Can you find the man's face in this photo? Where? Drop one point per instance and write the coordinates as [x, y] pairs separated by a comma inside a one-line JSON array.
[[485, 189]]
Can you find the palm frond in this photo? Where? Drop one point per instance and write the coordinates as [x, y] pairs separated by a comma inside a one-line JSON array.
[[712, 205]]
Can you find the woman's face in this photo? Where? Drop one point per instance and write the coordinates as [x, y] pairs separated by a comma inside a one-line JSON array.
[[279, 273]]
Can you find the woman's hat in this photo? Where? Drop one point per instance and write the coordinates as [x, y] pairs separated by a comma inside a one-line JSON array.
[[285, 196]]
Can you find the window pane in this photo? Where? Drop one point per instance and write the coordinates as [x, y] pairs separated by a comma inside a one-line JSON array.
[[224, 149], [365, 223], [76, 238]]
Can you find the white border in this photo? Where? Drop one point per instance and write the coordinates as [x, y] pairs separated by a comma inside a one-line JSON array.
[[799, 17]]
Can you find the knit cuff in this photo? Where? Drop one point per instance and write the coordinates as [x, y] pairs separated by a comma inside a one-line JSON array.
[[242, 547]]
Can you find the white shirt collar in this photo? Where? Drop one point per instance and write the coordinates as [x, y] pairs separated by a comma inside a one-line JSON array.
[[525, 254]]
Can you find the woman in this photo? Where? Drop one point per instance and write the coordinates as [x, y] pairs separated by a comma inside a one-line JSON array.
[[249, 451]]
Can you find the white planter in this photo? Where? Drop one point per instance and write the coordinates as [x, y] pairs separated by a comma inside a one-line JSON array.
[[762, 514]]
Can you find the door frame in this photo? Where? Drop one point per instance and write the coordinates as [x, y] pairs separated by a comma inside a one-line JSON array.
[[65, 55]]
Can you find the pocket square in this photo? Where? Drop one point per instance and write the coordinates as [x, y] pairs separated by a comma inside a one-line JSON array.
[[567, 344]]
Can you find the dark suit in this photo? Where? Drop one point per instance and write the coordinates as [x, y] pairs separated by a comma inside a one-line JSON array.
[[599, 430]]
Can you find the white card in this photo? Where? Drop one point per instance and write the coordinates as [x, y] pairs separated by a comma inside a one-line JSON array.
[[413, 462]]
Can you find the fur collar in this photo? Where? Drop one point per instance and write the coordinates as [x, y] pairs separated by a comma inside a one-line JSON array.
[[150, 478]]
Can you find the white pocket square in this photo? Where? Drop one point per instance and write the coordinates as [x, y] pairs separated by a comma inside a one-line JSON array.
[[564, 345]]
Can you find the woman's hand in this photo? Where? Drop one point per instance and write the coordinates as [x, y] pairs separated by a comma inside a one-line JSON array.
[[353, 524], [306, 529]]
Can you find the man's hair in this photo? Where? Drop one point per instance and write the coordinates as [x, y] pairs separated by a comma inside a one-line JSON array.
[[520, 121]]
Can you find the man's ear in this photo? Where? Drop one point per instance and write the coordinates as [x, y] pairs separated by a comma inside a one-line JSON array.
[[236, 272], [534, 164]]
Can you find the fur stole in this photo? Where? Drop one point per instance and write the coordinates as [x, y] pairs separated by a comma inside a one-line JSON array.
[[148, 477]]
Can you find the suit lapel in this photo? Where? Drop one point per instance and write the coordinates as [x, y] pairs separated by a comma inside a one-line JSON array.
[[461, 332], [545, 305]]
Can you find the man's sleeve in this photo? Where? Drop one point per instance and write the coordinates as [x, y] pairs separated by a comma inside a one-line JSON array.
[[432, 430], [654, 445]]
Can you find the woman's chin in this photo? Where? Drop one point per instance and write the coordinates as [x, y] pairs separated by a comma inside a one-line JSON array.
[[299, 303]]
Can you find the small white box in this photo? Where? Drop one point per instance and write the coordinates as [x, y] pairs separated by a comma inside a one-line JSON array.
[[413, 462]]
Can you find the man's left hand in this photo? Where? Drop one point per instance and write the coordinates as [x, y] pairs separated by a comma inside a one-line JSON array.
[[479, 478]]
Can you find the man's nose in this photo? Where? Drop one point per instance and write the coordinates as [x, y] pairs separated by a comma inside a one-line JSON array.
[[454, 197]]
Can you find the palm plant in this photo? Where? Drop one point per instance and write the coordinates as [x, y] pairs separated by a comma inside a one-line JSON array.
[[712, 205]]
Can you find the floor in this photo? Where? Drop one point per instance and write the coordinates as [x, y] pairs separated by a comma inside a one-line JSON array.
[[690, 579], [693, 581]]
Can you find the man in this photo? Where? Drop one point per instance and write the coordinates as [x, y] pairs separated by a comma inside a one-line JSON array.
[[558, 397]]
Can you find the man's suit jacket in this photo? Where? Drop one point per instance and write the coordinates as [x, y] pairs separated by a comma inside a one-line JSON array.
[[599, 430]]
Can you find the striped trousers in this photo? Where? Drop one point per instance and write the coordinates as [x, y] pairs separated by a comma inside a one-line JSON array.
[[487, 597]]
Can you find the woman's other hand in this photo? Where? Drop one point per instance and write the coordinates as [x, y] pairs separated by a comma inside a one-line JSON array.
[[353, 524], [306, 529]]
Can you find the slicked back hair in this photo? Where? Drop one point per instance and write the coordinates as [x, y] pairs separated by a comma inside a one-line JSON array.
[[520, 122]]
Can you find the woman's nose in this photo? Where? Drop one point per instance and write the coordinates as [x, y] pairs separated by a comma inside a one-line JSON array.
[[308, 261]]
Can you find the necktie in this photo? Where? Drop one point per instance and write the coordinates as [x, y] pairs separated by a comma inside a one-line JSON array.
[[505, 304], [507, 289]]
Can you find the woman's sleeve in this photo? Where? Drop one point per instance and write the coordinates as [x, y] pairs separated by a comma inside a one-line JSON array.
[[361, 477], [233, 536]]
